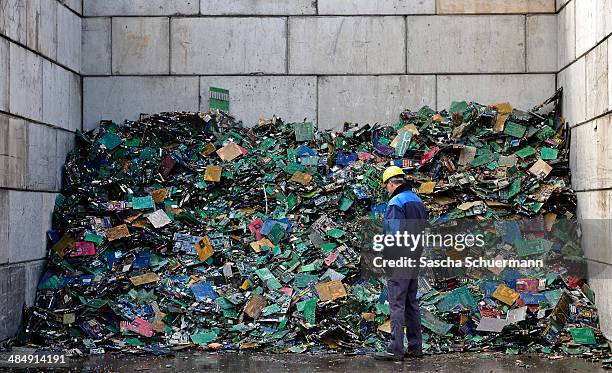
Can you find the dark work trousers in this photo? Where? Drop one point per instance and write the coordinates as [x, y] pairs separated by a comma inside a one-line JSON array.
[[404, 312]]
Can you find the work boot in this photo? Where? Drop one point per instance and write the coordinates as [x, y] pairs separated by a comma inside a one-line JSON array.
[[387, 356], [413, 354]]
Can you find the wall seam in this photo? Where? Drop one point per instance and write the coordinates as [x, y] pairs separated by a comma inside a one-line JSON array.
[[30, 190], [287, 44], [406, 44], [26, 180], [491, 14], [268, 15], [38, 53], [82, 99], [70, 9], [8, 264], [585, 53], [575, 33], [42, 103], [436, 91], [9, 68], [17, 116], [200, 94], [586, 97], [598, 116], [525, 47], [557, 87], [596, 261], [317, 77], [594, 190], [318, 73], [170, 45], [111, 46], [562, 7], [57, 35]]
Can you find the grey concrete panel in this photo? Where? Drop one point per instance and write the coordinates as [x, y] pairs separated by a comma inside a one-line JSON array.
[[25, 83], [347, 45], [13, 156], [466, 44], [120, 98], [76, 5], [522, 90], [370, 99], [258, 7], [4, 224], [573, 81], [27, 233], [12, 293], [560, 3], [42, 157], [542, 43], [566, 35], [389, 7], [603, 302], [597, 80], [33, 271], [595, 212], [586, 32], [252, 97], [495, 6], [47, 35], [140, 7], [591, 157], [96, 46], [228, 45], [13, 19], [65, 144], [33, 19], [68, 38], [140, 45], [609, 74], [61, 97], [4, 74]]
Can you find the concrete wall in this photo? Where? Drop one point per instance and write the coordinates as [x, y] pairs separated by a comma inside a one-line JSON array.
[[40, 109], [585, 58], [327, 61]]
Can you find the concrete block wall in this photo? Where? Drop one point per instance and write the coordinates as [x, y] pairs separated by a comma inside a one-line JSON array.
[[585, 60], [40, 110], [327, 61]]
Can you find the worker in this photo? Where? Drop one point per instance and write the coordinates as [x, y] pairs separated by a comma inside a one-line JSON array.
[[405, 213]]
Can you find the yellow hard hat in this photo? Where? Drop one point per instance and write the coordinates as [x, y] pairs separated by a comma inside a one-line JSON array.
[[390, 172]]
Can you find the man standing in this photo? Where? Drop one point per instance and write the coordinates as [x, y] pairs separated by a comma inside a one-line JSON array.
[[405, 213]]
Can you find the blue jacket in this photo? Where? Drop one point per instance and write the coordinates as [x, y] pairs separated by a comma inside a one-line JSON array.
[[405, 212]]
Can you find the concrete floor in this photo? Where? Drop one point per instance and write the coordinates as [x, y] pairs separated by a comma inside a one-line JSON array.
[[260, 362]]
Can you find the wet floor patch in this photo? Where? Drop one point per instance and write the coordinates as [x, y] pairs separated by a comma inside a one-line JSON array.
[[260, 362]]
